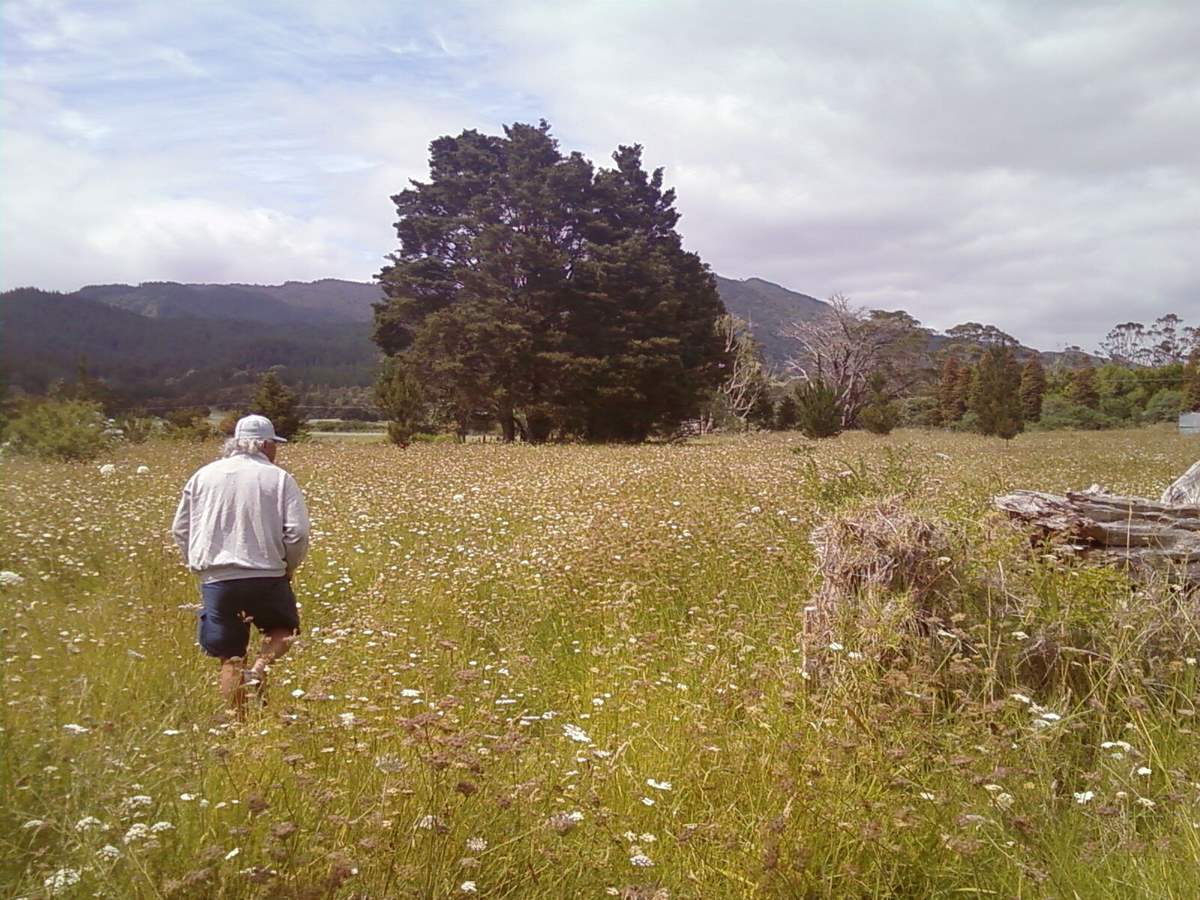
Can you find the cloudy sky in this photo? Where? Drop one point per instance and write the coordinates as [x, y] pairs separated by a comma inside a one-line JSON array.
[[1027, 163]]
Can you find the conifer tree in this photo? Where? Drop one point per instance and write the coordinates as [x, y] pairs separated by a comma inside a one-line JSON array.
[[553, 297], [1083, 386], [278, 403], [995, 393], [786, 415], [818, 412], [1033, 389], [952, 398], [880, 414], [399, 395]]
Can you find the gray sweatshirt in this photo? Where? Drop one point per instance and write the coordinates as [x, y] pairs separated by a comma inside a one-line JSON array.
[[241, 517]]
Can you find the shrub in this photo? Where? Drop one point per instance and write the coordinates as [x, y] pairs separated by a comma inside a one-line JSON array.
[[818, 413], [279, 403], [881, 414], [399, 394], [60, 429], [920, 412], [1059, 412], [228, 423], [138, 429], [785, 413], [1164, 406], [189, 424]]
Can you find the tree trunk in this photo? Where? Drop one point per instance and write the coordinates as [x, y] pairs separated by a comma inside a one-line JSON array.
[[1131, 531]]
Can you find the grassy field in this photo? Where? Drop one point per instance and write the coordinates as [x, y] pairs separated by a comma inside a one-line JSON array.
[[592, 671]]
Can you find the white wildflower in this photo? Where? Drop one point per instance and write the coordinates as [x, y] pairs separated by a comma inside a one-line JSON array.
[[87, 823], [1083, 797], [836, 647], [160, 827], [410, 692], [61, 880], [137, 831], [659, 785], [143, 470], [646, 801], [298, 693], [1144, 770], [108, 851], [10, 579], [33, 824], [467, 887], [1021, 698], [430, 822], [75, 729], [641, 860], [107, 469], [575, 733], [1146, 802], [233, 853], [390, 763], [477, 844]]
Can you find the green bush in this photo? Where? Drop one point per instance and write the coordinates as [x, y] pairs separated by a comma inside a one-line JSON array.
[[920, 412], [1164, 406], [138, 429], [818, 413], [189, 424], [60, 429], [425, 437], [1059, 412], [881, 414]]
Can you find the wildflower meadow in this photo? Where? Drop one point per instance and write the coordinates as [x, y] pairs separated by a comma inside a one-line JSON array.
[[590, 671]]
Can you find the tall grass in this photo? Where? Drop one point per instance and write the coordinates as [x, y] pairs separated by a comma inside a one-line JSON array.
[[562, 671]]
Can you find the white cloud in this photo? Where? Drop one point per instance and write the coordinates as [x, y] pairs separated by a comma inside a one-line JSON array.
[[1027, 164]]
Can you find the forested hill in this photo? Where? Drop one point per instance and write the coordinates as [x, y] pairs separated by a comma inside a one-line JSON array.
[[327, 300], [168, 340], [43, 336]]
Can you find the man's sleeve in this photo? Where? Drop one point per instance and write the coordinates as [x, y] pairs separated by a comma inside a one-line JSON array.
[[181, 529], [295, 525]]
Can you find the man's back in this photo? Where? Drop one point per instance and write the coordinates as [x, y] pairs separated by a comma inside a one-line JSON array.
[[242, 517]]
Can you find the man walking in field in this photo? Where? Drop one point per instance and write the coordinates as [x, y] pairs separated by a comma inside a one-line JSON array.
[[242, 526]]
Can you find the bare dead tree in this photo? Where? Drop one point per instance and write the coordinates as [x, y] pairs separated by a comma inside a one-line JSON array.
[[845, 346], [746, 378]]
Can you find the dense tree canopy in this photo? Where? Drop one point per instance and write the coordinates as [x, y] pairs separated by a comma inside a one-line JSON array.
[[554, 297]]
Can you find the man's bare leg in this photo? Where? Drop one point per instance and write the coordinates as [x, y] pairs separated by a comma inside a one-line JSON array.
[[276, 642], [232, 689]]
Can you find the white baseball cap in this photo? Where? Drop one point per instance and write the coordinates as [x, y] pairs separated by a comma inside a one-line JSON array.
[[257, 428]]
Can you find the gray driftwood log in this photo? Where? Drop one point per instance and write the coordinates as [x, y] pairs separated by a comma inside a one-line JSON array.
[[1133, 531]]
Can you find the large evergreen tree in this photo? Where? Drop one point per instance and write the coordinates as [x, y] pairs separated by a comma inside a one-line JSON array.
[[995, 392], [552, 297]]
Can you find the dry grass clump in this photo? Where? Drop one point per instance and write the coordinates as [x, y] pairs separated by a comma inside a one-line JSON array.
[[881, 560]]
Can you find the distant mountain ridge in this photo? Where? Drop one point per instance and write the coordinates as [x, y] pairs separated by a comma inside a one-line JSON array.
[[327, 300], [163, 339], [768, 307]]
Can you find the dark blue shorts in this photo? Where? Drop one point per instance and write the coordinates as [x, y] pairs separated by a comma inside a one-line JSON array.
[[229, 607]]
